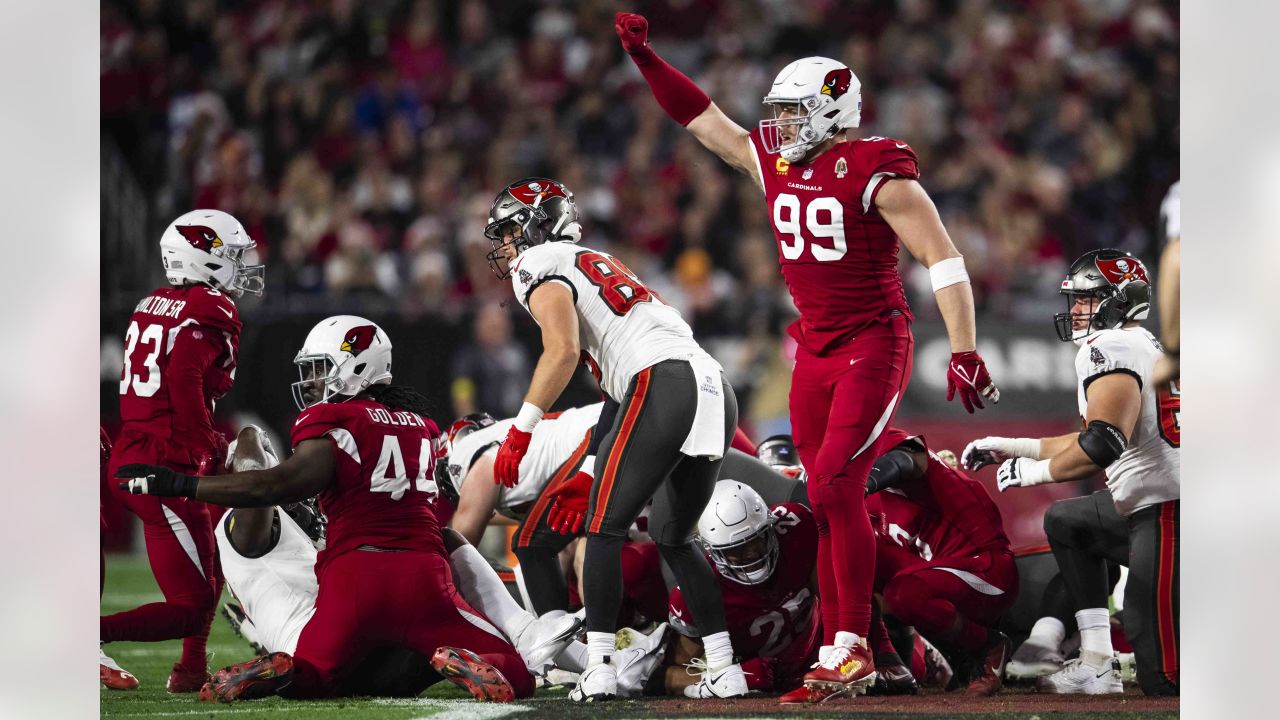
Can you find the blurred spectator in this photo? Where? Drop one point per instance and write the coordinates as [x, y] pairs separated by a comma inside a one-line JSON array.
[[491, 373]]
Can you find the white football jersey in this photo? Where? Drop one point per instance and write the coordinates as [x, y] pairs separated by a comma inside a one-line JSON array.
[[554, 441], [1171, 213], [1149, 470], [624, 326], [278, 590]]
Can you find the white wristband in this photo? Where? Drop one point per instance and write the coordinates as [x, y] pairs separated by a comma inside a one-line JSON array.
[[1026, 447], [528, 416], [946, 273], [1036, 473], [588, 465]]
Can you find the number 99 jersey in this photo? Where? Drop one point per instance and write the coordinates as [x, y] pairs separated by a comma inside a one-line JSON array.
[[384, 486], [624, 326], [839, 257]]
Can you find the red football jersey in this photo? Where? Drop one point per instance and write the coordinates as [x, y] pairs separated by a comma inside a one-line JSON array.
[[179, 358], [384, 492], [944, 513], [778, 618], [839, 257]]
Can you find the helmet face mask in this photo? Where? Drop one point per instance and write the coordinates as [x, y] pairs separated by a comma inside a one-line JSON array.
[[749, 562], [1104, 289], [317, 380], [526, 213]]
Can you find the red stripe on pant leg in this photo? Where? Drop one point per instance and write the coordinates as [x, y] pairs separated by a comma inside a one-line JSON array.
[[619, 446], [562, 474], [1165, 618]]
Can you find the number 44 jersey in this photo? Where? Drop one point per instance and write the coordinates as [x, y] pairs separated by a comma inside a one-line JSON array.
[[179, 357], [838, 256], [624, 326], [384, 485]]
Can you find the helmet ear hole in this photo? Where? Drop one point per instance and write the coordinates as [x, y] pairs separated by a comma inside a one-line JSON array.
[[358, 369]]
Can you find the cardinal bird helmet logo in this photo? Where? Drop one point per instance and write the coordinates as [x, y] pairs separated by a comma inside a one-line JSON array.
[[201, 237], [358, 339]]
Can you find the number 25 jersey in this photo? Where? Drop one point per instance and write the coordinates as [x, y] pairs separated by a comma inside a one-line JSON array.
[[384, 485], [624, 327], [839, 257]]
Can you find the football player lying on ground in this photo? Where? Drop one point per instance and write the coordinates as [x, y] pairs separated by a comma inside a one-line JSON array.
[[268, 557], [365, 447], [943, 563]]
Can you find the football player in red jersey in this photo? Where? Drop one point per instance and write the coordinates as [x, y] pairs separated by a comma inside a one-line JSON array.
[[839, 206], [763, 558], [365, 447], [179, 358], [943, 561]]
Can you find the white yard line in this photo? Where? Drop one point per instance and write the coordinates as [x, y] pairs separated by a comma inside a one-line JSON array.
[[457, 709]]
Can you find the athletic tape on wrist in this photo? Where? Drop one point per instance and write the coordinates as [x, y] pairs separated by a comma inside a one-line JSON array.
[[946, 273], [528, 417]]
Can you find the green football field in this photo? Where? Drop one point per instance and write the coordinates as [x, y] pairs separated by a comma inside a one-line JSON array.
[[129, 584]]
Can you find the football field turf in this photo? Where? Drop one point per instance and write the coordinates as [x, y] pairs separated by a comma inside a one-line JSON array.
[[129, 584]]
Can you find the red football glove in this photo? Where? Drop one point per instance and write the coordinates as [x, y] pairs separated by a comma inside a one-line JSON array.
[[759, 672], [968, 374], [569, 504], [633, 30], [506, 467]]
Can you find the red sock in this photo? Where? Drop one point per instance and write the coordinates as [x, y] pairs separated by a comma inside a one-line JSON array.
[[853, 557], [827, 588]]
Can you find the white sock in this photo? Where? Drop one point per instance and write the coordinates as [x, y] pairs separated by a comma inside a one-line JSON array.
[[600, 647], [1048, 632], [1095, 636], [572, 658], [481, 587], [846, 639], [719, 650], [824, 652]]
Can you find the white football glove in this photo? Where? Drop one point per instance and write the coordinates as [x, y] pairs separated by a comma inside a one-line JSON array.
[[991, 450], [272, 458], [1022, 472]]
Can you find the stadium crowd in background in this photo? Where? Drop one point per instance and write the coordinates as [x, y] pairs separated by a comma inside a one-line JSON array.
[[359, 141]]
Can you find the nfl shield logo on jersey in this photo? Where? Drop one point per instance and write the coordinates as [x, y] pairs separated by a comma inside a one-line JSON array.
[[808, 173]]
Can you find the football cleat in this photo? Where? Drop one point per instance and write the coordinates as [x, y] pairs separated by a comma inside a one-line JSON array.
[[937, 671], [544, 638], [470, 672], [1079, 678], [635, 662], [1032, 660], [727, 682], [597, 683], [241, 625], [893, 680], [848, 670], [804, 695], [112, 675], [182, 680], [987, 675], [256, 678]]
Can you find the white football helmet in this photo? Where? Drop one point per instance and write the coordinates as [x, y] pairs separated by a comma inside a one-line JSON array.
[[341, 356], [208, 246], [737, 532], [824, 97]]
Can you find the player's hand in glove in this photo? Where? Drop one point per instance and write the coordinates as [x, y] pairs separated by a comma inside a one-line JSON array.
[[759, 672], [156, 480], [992, 450], [506, 467], [633, 31], [968, 374], [1022, 472], [569, 503]]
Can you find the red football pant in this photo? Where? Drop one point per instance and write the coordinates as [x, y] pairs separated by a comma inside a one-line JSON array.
[[948, 599], [840, 404], [370, 600], [183, 556]]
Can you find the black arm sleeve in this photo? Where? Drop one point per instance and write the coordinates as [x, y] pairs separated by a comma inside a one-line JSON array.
[[890, 469]]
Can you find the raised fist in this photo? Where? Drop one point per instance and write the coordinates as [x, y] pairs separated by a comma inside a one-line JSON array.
[[633, 30]]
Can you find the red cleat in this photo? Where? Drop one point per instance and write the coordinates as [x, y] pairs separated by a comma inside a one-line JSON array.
[[257, 678], [182, 680], [804, 695], [112, 675], [469, 672], [847, 671], [988, 673]]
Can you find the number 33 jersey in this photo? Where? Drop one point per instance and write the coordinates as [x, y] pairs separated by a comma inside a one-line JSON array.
[[179, 357], [1149, 470], [839, 257], [624, 327], [384, 485]]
